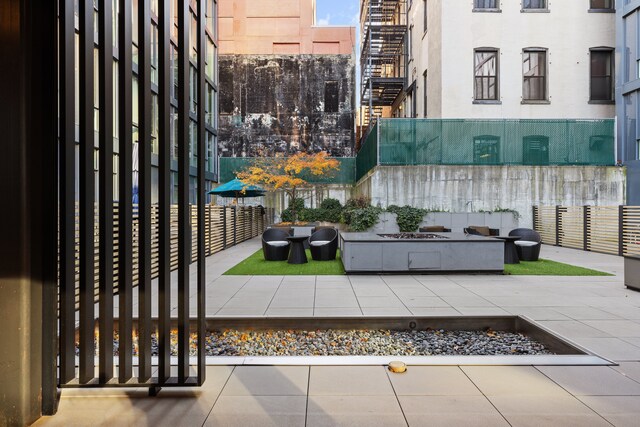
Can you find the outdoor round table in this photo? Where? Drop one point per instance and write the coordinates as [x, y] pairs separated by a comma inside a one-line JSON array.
[[510, 251], [297, 255]]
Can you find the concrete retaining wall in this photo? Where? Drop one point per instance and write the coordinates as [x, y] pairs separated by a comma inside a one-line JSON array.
[[476, 188]]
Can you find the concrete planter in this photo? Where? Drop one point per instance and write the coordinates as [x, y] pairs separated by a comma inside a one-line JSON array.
[[632, 272]]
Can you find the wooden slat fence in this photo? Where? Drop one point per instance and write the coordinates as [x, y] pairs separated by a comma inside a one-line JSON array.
[[224, 227], [606, 229]]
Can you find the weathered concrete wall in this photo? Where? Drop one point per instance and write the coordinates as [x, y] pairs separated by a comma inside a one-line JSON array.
[[312, 197], [475, 188], [273, 104]]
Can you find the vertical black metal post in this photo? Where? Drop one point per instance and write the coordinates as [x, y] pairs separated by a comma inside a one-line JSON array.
[[144, 207], [184, 231], [44, 91], [235, 225], [620, 230], [224, 227], [585, 228], [67, 190], [125, 243], [164, 194], [201, 301], [87, 194], [558, 228], [105, 66]]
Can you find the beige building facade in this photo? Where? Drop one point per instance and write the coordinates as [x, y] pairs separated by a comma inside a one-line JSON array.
[[509, 59]]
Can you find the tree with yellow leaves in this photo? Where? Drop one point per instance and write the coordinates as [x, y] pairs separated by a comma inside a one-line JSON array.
[[288, 173]]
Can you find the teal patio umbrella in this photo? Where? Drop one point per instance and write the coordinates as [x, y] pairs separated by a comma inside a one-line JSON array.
[[234, 188]]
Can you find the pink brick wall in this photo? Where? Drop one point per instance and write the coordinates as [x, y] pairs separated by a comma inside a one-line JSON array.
[[268, 27]]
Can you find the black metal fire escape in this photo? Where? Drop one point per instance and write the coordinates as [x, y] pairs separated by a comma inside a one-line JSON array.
[[383, 57]]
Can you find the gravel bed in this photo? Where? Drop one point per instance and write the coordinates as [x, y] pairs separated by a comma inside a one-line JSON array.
[[359, 343]]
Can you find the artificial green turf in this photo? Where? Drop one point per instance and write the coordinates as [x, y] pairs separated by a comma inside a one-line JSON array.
[[545, 267], [255, 265]]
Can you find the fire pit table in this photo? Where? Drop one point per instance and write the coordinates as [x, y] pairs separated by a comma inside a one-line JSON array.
[[420, 253]]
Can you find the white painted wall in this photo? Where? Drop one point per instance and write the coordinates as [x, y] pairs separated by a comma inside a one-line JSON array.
[[568, 31]]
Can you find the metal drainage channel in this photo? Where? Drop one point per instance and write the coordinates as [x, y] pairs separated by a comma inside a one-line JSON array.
[[567, 353]]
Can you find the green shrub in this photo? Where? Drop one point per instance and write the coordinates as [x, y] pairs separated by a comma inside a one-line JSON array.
[[393, 208], [365, 218], [358, 202], [408, 217], [352, 205], [288, 215], [330, 204]]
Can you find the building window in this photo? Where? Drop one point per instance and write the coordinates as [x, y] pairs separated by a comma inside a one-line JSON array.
[[604, 5], [486, 4], [534, 4], [410, 43], [486, 150], [486, 75], [534, 75], [414, 101], [425, 16], [535, 150], [331, 100], [602, 79], [424, 85]]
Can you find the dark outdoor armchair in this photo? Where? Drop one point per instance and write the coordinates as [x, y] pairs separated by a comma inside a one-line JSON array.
[[482, 230], [434, 229], [324, 244], [275, 246], [528, 246]]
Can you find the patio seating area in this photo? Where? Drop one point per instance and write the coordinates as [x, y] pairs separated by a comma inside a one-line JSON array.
[[598, 313]]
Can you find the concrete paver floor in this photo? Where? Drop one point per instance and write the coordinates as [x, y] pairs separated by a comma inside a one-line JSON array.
[[596, 312]]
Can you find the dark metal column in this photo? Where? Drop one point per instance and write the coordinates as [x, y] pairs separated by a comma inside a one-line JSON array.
[[125, 251], [105, 66], [87, 194], [144, 182], [184, 230], [67, 190], [29, 213], [164, 194], [201, 190]]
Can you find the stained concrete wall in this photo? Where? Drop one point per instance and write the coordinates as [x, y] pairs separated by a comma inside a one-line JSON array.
[[272, 104], [475, 188]]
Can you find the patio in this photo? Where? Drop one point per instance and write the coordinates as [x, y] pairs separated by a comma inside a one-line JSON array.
[[595, 312]]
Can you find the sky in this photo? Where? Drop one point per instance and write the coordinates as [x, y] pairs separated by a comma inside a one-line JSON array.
[[337, 12]]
